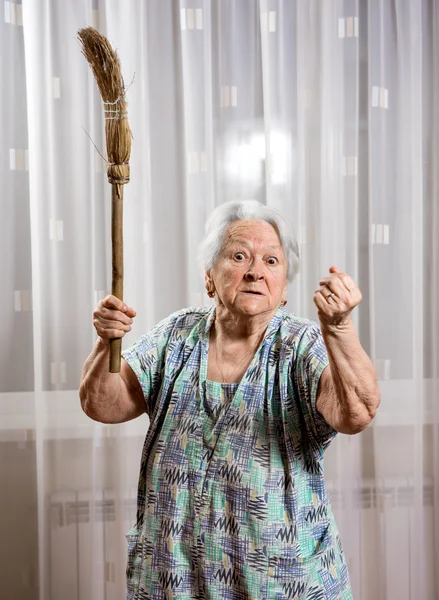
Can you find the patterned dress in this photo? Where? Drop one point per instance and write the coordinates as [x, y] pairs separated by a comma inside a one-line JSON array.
[[232, 502]]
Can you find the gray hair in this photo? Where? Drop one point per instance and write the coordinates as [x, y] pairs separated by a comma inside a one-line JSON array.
[[237, 210]]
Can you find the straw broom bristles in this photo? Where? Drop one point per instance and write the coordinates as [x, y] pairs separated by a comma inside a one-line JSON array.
[[105, 65]]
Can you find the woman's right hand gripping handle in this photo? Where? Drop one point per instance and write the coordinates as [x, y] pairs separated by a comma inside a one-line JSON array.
[[110, 397]]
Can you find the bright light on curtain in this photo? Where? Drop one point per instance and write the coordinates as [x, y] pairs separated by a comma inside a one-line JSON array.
[[325, 110]]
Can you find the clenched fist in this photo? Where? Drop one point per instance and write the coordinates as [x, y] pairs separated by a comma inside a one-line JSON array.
[[112, 318], [336, 297]]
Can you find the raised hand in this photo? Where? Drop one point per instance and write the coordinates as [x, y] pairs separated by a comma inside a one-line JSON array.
[[336, 297]]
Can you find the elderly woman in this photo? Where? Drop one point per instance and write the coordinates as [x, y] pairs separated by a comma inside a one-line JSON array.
[[243, 399]]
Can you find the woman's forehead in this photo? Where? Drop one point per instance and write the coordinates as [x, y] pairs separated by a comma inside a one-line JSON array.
[[251, 231]]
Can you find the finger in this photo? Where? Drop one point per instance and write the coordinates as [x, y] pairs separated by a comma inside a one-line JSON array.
[[111, 334], [331, 299], [322, 303], [327, 296], [112, 315], [337, 287], [106, 328], [347, 280], [331, 287], [325, 280], [342, 277], [325, 292], [334, 270], [110, 324], [113, 302], [107, 331]]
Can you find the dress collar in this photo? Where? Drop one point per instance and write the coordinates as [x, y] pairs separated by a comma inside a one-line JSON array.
[[272, 327]]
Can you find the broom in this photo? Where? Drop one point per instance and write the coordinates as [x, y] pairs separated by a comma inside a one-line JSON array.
[[105, 65]]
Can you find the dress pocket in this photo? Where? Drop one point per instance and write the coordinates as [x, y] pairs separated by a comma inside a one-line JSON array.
[[301, 578], [135, 558]]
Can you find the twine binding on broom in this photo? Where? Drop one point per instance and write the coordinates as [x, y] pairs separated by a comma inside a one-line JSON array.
[[118, 115]]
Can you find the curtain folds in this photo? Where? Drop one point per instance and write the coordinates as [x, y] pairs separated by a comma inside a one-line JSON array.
[[327, 111]]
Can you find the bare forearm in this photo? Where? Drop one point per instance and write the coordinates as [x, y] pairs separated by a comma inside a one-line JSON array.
[[99, 389], [355, 390]]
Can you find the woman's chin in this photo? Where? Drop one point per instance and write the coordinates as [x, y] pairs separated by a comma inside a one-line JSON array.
[[252, 305]]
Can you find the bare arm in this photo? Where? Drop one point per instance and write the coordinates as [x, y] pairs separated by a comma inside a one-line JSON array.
[[348, 394], [110, 397]]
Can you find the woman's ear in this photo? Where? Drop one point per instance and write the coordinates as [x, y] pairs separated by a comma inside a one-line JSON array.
[[208, 283]]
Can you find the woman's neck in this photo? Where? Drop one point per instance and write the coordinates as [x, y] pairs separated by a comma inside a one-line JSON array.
[[234, 328]]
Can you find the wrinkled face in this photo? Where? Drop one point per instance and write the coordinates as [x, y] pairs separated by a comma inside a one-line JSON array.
[[250, 275]]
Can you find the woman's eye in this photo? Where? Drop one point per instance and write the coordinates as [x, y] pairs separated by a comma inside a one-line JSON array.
[[239, 256], [272, 260]]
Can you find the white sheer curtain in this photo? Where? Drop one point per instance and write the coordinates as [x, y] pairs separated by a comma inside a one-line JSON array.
[[326, 110]]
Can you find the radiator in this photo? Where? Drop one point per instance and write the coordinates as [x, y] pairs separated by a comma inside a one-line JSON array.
[[87, 545], [388, 541]]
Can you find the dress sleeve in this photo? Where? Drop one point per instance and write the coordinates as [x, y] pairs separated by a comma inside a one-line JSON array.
[[310, 362], [146, 357]]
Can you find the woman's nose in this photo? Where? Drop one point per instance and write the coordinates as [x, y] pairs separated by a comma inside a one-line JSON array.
[[253, 275]]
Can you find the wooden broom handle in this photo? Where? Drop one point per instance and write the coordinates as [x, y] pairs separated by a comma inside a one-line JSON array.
[[117, 265]]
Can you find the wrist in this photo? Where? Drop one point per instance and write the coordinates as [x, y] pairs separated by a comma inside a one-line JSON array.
[[338, 326], [102, 343]]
